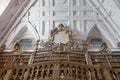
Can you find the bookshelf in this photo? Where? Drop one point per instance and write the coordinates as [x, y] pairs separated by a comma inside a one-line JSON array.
[[62, 56], [9, 60], [99, 59], [41, 57], [114, 59]]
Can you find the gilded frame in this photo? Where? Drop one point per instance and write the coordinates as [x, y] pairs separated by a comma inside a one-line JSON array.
[[63, 32]]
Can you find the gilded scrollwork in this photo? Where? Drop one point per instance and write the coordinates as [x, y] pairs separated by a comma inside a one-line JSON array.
[[104, 48], [84, 44], [60, 29], [59, 39], [52, 33], [17, 49]]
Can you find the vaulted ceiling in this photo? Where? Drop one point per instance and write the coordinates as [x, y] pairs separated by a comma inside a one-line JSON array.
[[12, 15], [104, 18]]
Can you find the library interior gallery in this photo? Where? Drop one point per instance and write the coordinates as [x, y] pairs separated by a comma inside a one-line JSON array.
[[60, 40]]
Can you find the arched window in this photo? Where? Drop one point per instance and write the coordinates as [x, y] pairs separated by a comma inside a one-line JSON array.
[[26, 44], [95, 43]]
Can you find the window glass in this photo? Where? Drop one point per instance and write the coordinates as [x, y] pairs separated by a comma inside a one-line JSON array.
[[95, 43], [26, 44]]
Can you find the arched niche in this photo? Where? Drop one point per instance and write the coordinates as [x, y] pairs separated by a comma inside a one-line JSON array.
[[19, 33], [97, 31], [95, 38], [25, 44]]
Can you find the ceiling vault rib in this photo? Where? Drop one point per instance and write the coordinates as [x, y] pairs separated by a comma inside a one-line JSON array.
[[108, 15], [106, 21], [24, 9], [117, 2]]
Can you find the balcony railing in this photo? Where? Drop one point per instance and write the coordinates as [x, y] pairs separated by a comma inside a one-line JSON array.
[[60, 70]]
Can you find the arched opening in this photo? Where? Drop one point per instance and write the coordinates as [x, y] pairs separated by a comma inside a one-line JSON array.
[[26, 44], [95, 38]]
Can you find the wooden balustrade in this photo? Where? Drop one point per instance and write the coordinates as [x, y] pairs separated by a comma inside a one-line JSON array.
[[3, 73], [57, 66], [115, 74], [60, 70]]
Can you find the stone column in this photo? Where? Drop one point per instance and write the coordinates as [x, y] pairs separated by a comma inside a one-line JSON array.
[[56, 71]]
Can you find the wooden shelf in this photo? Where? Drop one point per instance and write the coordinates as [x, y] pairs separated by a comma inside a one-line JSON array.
[[8, 60], [98, 59], [114, 59], [64, 56]]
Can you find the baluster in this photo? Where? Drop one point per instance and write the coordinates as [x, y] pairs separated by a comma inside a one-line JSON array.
[[82, 73], [56, 71], [71, 73], [36, 73], [79, 72], [43, 72], [40, 72], [62, 74], [77, 76], [113, 74], [99, 74], [87, 74], [65, 72], [19, 74], [95, 72], [117, 72], [118, 75], [68, 71], [22, 75], [31, 73], [15, 77], [51, 71], [47, 72], [74, 72], [106, 73], [13, 73], [8, 74], [92, 74], [26, 74]]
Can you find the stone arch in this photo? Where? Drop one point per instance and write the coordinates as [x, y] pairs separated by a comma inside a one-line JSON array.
[[104, 34], [16, 35]]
